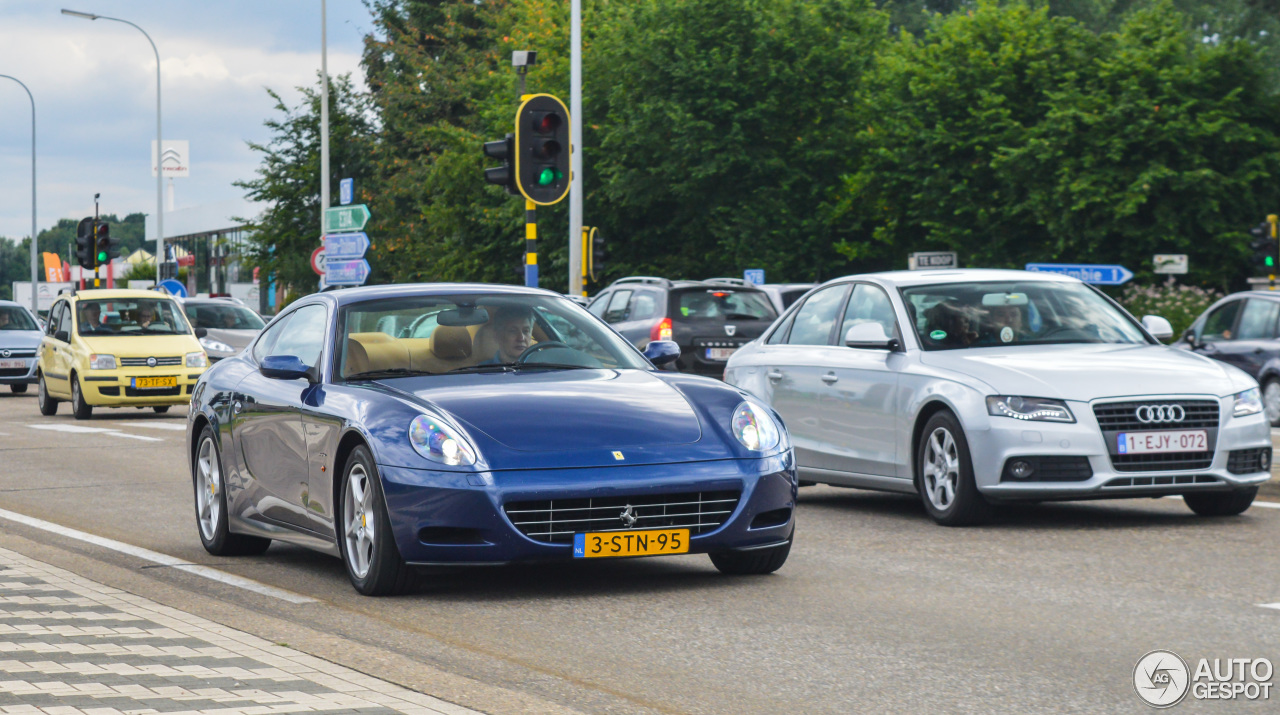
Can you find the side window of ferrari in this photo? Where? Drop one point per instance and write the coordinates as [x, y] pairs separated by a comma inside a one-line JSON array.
[[262, 348], [303, 336]]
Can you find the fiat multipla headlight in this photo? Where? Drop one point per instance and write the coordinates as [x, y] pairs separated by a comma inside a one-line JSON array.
[[1031, 409], [1247, 403], [754, 428], [439, 442]]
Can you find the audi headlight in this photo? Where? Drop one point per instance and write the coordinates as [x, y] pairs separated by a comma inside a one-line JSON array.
[[439, 442], [216, 346], [1031, 409], [108, 362], [197, 359], [1247, 403], [754, 428]]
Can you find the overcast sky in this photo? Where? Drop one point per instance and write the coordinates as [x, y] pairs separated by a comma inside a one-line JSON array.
[[95, 94]]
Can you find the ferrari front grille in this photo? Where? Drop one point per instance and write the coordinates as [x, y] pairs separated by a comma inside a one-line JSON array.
[[555, 521]]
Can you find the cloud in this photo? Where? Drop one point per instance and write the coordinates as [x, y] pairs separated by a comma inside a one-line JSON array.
[[94, 87]]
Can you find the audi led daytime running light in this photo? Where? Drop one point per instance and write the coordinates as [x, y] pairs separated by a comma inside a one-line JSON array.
[[754, 428], [1031, 409], [1247, 403], [439, 442]]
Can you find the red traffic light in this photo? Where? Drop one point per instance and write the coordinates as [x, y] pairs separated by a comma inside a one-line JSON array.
[[546, 123]]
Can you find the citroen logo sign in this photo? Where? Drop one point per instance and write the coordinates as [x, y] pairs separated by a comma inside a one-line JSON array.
[[1152, 414], [628, 516]]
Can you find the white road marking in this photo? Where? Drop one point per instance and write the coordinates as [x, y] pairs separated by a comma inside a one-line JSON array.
[[155, 425], [158, 558], [80, 429], [1263, 504], [142, 437], [1270, 605]]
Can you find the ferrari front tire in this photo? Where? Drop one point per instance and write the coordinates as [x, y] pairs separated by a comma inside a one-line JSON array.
[[751, 563], [365, 540], [211, 504]]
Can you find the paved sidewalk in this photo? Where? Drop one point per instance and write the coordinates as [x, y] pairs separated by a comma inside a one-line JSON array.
[[69, 645]]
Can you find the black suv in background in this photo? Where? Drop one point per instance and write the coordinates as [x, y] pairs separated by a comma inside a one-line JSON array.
[[1243, 329], [707, 320]]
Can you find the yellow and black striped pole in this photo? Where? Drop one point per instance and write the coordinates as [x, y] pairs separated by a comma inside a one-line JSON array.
[[530, 244], [1272, 219]]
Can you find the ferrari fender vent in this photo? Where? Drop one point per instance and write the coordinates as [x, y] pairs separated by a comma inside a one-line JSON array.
[[555, 521]]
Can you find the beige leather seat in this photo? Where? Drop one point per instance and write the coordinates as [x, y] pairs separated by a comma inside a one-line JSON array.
[[447, 349], [374, 351]]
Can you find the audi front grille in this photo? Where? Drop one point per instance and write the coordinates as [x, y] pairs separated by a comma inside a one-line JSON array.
[[1161, 415], [1122, 416], [555, 521]]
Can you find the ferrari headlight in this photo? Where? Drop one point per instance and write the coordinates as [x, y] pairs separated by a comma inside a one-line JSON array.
[[439, 442], [216, 346], [754, 428], [108, 362], [1032, 409], [197, 359], [1247, 403]]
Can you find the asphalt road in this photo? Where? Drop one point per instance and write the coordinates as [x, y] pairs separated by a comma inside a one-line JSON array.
[[878, 609]]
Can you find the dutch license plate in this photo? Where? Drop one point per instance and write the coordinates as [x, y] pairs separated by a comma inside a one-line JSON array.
[[652, 542], [154, 383], [9, 364], [1196, 440], [719, 353]]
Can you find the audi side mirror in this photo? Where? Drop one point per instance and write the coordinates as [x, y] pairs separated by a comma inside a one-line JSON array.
[[662, 352], [1159, 328], [869, 336], [284, 367]]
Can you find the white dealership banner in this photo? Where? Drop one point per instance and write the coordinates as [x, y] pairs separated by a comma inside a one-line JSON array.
[[175, 160]]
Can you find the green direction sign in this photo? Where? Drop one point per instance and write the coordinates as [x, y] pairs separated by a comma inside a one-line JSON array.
[[340, 219]]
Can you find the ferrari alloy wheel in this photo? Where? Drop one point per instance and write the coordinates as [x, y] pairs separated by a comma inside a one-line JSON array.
[[48, 406], [944, 474], [367, 544], [211, 504], [81, 409], [1271, 401]]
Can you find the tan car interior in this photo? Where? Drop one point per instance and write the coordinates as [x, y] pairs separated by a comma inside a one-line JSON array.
[[448, 348]]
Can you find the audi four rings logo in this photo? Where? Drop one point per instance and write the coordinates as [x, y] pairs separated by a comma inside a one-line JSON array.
[[1148, 414]]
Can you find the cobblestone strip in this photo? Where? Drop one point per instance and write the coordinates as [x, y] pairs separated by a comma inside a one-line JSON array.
[[70, 646]]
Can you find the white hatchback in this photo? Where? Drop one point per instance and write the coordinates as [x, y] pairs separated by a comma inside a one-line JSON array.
[[977, 386]]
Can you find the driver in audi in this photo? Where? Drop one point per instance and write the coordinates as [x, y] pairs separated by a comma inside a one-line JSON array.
[[513, 326]]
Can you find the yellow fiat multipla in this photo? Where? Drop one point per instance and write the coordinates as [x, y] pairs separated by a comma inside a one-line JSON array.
[[117, 348]]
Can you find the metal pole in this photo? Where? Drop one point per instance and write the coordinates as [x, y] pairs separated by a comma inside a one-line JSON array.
[[159, 134], [35, 253], [324, 117], [576, 264], [530, 244]]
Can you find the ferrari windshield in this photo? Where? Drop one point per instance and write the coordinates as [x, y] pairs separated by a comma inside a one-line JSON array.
[[970, 315], [475, 333]]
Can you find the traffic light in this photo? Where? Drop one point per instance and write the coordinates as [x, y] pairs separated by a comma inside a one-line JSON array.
[[542, 149], [85, 243], [504, 175], [1264, 247], [598, 255], [107, 247]]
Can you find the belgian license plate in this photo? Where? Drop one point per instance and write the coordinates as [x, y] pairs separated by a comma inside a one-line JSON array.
[[154, 383], [653, 542], [1195, 440], [719, 353], [9, 364]]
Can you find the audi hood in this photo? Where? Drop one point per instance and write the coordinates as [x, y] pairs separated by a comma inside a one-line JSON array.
[[1089, 372]]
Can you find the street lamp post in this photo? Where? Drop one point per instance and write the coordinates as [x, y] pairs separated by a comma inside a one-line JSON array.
[[159, 135], [35, 270]]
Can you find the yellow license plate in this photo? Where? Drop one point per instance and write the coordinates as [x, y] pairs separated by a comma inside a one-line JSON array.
[[630, 543], [148, 383]]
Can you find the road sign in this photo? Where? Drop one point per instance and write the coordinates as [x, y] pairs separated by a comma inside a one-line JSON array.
[[346, 218], [1171, 263], [346, 191], [173, 287], [1097, 275], [754, 276], [317, 260], [928, 260], [345, 245], [346, 273]]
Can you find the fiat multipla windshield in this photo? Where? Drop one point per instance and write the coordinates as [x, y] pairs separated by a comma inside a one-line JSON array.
[[954, 316]]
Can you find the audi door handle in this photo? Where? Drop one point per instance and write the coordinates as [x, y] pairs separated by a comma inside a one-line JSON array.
[[830, 378], [773, 375]]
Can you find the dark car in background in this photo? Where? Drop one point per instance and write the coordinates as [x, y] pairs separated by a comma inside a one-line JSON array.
[[1243, 329], [229, 325], [708, 320], [781, 294]]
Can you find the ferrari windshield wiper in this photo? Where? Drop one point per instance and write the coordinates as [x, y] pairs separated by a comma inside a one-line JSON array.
[[491, 367], [391, 372]]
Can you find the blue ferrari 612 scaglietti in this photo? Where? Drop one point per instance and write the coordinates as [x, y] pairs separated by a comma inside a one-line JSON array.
[[454, 424]]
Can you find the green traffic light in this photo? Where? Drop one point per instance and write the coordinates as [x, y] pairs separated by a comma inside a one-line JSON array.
[[549, 176], [1271, 261], [102, 257]]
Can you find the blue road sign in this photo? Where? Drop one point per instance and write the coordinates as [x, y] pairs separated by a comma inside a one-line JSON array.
[[346, 273], [754, 276], [346, 191], [345, 245], [1097, 275], [173, 287]]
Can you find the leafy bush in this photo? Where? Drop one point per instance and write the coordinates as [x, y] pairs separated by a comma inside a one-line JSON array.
[[1179, 304]]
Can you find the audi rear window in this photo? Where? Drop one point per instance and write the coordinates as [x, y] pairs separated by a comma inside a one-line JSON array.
[[722, 304]]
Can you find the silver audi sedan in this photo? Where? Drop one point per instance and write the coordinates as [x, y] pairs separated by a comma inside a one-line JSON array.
[[972, 387]]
